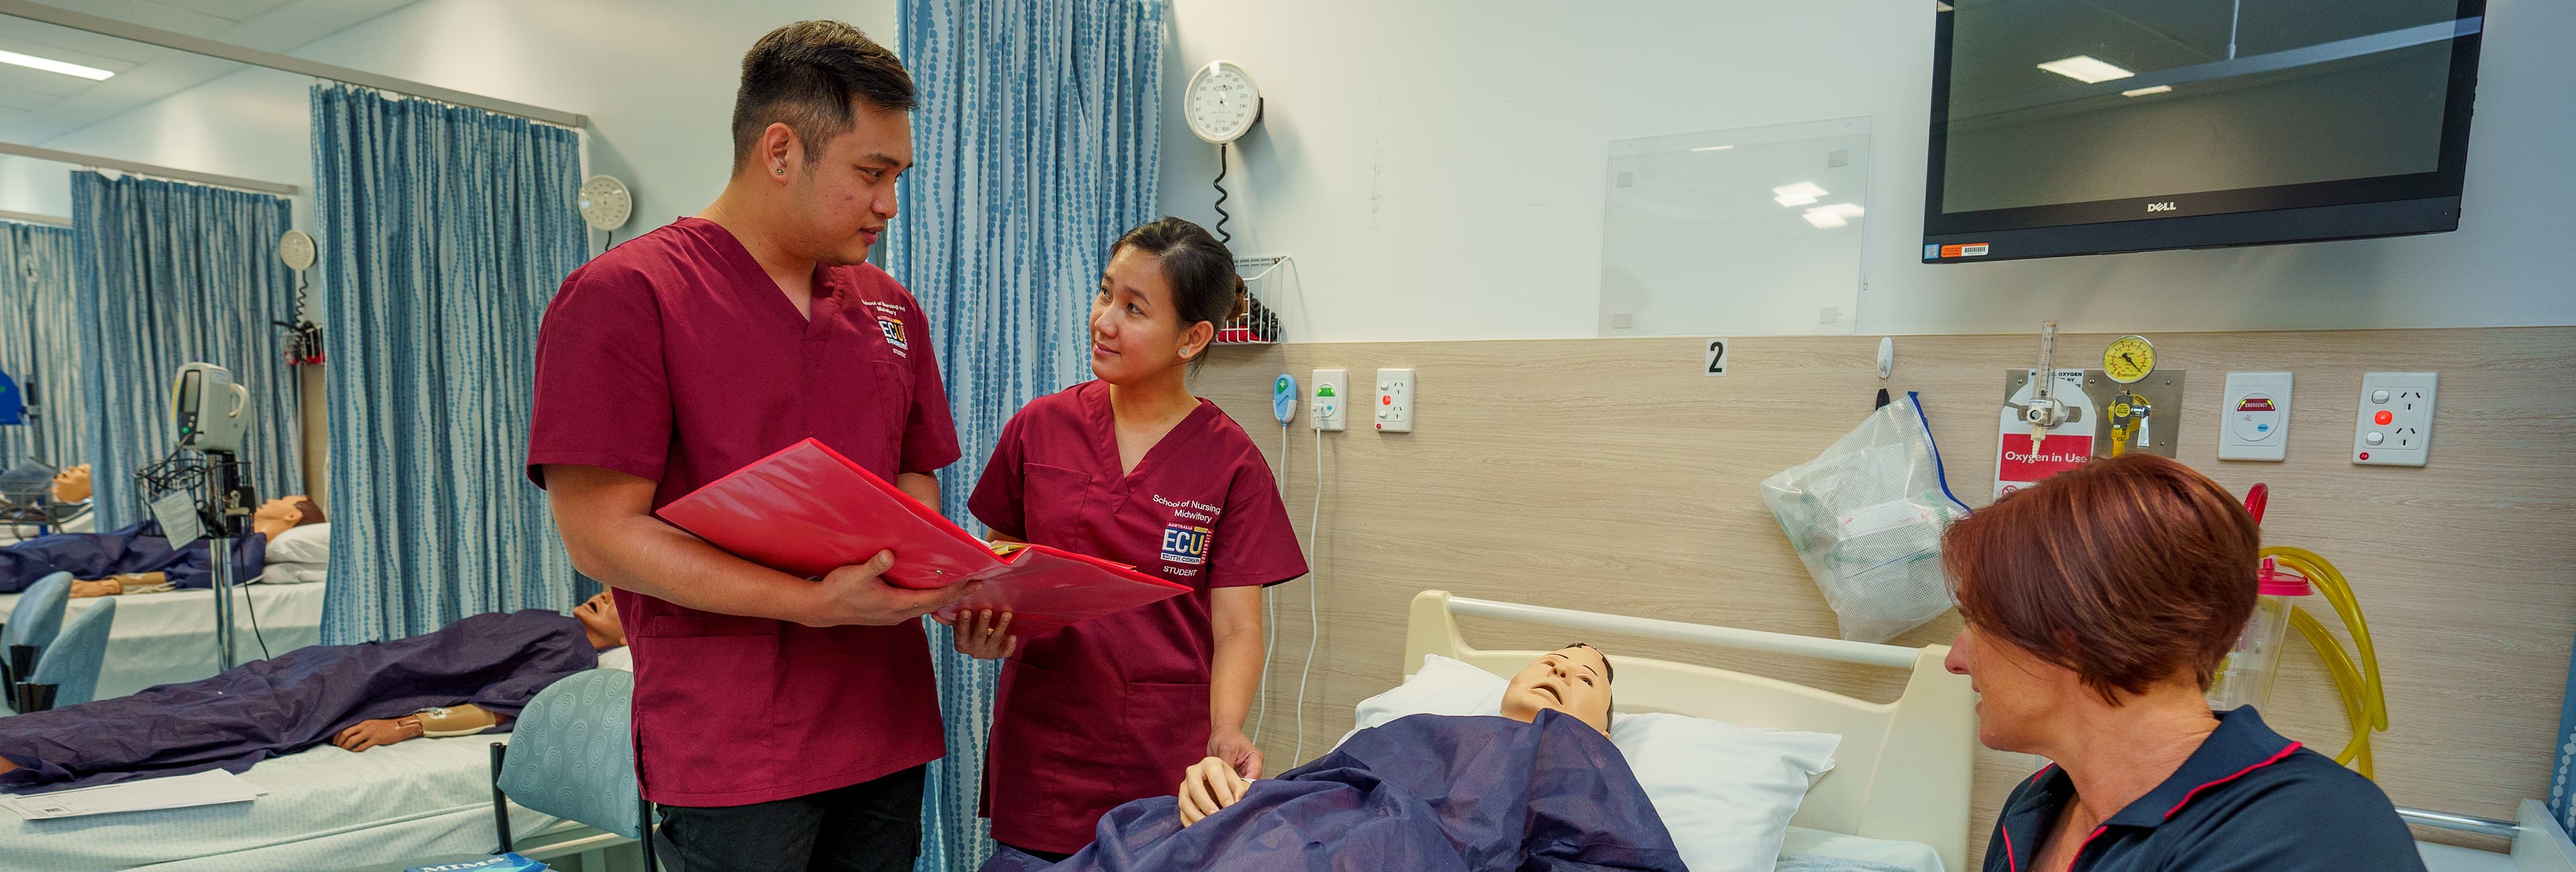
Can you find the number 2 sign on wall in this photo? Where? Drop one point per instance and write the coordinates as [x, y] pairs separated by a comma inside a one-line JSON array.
[[1717, 356]]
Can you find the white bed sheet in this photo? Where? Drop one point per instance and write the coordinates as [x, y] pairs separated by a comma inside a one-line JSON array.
[[325, 809], [161, 638], [1913, 856]]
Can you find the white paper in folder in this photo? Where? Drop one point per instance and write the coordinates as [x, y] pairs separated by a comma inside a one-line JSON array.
[[214, 787]]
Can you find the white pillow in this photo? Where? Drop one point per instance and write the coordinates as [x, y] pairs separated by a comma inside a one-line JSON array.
[[293, 573], [1441, 687], [1726, 793], [617, 658], [310, 543]]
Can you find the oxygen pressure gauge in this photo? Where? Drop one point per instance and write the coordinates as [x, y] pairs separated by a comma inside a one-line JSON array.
[[2129, 359]]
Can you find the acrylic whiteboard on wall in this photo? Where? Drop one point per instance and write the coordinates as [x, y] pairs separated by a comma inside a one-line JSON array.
[[1747, 232]]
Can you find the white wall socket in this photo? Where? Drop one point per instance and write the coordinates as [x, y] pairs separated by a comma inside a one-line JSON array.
[[1328, 408], [2395, 425], [2255, 422], [1394, 401]]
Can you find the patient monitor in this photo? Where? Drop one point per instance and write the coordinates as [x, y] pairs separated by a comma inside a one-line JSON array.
[[212, 413]]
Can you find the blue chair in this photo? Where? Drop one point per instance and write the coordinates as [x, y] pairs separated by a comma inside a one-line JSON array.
[[71, 665], [572, 755], [33, 623]]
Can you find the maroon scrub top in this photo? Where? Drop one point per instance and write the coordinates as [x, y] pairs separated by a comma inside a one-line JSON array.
[[1115, 708], [673, 357]]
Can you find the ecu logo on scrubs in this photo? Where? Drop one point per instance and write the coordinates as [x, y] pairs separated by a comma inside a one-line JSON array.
[[1183, 543], [893, 330]]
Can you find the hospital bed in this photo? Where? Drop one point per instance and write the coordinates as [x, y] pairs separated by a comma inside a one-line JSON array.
[[1900, 780], [325, 809], [163, 638]]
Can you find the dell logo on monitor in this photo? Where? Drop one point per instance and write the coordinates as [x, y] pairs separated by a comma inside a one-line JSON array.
[[2160, 207]]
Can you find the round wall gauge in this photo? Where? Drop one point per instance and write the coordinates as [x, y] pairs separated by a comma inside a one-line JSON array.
[[1222, 103]]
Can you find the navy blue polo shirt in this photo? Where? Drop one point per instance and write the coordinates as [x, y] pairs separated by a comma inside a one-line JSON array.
[[2248, 799]]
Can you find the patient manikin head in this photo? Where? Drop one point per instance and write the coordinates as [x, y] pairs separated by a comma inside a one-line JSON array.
[[1574, 679], [598, 616], [72, 484]]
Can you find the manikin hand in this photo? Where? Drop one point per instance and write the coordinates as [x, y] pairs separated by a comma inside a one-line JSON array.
[[1209, 786], [369, 734]]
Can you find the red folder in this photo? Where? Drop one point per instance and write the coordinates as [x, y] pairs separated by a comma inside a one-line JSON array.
[[807, 510]]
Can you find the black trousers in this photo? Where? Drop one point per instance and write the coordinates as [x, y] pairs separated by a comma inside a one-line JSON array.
[[870, 827]]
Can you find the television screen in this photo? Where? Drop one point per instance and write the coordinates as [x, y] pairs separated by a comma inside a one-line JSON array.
[[2091, 126]]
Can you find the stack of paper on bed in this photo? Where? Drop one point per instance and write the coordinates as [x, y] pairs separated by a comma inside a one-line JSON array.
[[807, 511], [212, 787]]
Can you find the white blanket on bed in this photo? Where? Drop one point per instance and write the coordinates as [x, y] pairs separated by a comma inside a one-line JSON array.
[[325, 809], [161, 638]]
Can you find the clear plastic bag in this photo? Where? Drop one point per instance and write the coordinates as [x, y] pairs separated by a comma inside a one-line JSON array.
[[1866, 517]]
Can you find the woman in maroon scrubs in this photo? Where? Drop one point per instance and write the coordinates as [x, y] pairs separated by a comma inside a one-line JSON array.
[[1134, 469]]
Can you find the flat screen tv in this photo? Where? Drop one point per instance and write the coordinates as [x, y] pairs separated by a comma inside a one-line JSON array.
[[2093, 126]]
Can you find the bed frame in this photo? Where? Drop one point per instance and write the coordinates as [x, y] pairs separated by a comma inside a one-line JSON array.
[[1901, 773]]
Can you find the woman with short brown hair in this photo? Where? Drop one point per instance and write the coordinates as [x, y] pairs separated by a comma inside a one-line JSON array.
[[2098, 604]]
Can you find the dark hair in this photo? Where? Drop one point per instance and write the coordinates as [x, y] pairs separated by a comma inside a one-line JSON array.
[[804, 75], [2126, 570], [1199, 269], [308, 512]]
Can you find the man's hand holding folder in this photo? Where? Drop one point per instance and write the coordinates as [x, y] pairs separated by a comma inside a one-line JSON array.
[[859, 594]]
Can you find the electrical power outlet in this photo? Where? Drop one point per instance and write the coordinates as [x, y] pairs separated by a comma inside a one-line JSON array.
[[1394, 401], [1329, 406], [2395, 424]]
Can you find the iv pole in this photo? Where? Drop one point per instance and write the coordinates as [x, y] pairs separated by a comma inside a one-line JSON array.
[[227, 502]]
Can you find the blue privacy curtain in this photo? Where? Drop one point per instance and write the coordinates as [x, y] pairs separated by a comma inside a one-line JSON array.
[[1037, 144], [40, 344], [444, 232], [2562, 794], [168, 273]]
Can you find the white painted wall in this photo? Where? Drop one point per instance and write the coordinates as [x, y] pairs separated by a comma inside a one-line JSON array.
[[1435, 168], [1434, 165], [656, 78]]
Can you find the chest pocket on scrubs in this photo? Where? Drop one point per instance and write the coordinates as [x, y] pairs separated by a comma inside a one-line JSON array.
[[1055, 506]]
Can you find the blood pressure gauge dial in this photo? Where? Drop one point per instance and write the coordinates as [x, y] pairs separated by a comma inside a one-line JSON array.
[[1222, 103], [2129, 359]]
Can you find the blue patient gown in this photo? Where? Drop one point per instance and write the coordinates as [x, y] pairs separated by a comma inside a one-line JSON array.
[[1425, 793], [139, 548], [298, 700]]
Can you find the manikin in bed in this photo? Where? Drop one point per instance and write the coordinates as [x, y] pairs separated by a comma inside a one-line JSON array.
[[1540, 788], [473, 675], [137, 557]]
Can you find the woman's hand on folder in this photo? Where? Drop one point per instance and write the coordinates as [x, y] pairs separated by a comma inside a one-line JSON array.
[[855, 594], [981, 635]]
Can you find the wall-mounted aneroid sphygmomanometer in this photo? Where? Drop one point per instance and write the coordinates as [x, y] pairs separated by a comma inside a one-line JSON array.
[[1222, 104]]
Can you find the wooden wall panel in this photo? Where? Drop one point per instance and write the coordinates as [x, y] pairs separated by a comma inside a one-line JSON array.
[[1612, 475]]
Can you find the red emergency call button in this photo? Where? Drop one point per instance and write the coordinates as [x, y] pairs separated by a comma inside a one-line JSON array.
[[1389, 401], [2383, 417]]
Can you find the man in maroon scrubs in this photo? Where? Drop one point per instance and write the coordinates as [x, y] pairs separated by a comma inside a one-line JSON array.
[[781, 723]]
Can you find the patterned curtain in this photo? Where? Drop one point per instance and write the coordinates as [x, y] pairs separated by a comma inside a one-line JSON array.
[[2562, 800], [445, 230], [1037, 139], [40, 344], [169, 273]]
